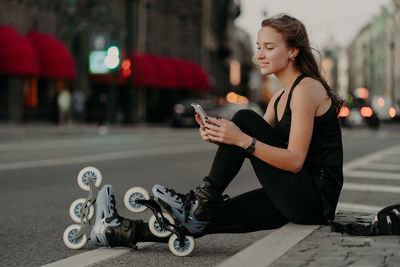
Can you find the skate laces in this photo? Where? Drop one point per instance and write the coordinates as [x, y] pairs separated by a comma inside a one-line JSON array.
[[173, 193], [187, 199], [115, 212]]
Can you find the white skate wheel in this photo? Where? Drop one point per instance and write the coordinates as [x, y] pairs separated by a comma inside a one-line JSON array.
[[75, 208], [85, 174], [70, 241], [135, 193], [155, 227], [177, 250]]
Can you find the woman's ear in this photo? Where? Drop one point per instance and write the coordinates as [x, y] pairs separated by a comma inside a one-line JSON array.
[[294, 52]]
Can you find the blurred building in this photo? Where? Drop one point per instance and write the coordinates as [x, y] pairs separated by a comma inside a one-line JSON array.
[[329, 64], [374, 60], [393, 53], [168, 50]]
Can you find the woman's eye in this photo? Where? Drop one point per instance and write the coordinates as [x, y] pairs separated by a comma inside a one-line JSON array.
[[270, 48], [258, 48]]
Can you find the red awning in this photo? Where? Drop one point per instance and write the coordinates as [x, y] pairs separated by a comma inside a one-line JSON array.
[[55, 60], [162, 72], [168, 72], [17, 56]]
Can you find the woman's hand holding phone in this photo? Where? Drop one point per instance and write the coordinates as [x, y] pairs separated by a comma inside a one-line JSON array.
[[203, 130]]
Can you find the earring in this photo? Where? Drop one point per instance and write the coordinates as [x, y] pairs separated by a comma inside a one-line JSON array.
[[291, 59]]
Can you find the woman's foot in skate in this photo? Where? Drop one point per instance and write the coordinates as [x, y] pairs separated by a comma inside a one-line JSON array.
[[194, 209], [110, 229]]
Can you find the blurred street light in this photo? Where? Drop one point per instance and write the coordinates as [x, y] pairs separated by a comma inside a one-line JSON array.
[[362, 92]]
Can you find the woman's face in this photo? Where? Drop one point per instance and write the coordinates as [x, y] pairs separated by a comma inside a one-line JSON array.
[[273, 54]]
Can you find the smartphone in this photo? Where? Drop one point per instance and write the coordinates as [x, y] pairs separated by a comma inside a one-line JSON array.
[[200, 111]]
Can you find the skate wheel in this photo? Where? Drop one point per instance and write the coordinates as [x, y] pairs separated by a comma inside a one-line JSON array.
[[135, 193], [70, 241], [75, 208], [155, 227], [177, 250], [85, 174]]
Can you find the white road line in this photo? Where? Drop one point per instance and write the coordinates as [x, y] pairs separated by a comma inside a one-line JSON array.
[[358, 207], [93, 256], [108, 156], [265, 251], [65, 143], [372, 175], [380, 166], [387, 160], [371, 157], [371, 188], [80, 142]]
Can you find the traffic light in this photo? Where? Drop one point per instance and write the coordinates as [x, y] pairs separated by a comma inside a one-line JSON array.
[[126, 68], [112, 57], [101, 61]]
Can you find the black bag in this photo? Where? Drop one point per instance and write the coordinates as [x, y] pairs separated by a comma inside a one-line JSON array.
[[385, 222]]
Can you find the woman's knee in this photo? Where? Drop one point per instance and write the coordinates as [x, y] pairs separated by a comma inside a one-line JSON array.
[[244, 115]]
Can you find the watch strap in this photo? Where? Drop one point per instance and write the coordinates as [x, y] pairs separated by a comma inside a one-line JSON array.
[[251, 148]]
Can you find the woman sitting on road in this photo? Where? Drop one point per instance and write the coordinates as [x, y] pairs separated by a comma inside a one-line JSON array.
[[295, 150]]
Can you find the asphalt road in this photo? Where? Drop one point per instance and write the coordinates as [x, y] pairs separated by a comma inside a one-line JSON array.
[[39, 164]]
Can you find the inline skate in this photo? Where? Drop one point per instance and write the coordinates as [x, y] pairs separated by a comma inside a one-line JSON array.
[[107, 228], [185, 216]]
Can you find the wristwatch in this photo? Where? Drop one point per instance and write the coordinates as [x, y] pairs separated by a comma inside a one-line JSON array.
[[250, 149]]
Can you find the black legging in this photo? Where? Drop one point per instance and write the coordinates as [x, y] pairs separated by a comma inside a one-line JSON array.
[[284, 196]]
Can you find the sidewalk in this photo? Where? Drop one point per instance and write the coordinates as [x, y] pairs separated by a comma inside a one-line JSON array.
[[322, 248], [326, 248]]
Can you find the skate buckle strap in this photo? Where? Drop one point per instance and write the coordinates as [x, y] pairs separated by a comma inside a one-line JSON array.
[[174, 193], [114, 209], [396, 212], [189, 197]]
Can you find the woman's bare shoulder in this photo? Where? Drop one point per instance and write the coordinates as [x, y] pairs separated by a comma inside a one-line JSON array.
[[313, 88]]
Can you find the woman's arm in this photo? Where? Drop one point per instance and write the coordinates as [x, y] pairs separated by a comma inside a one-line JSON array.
[[303, 106]]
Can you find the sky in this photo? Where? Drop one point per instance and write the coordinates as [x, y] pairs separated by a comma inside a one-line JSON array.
[[325, 20]]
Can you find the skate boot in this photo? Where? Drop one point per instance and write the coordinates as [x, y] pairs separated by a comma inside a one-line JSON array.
[[106, 228], [110, 229], [194, 209]]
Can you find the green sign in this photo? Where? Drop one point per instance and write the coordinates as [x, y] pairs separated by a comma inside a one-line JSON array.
[[97, 62]]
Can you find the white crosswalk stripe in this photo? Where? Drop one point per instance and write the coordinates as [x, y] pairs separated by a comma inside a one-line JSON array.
[[373, 175], [381, 165], [371, 188]]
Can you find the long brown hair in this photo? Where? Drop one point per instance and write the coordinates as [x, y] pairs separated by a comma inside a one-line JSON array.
[[295, 35]]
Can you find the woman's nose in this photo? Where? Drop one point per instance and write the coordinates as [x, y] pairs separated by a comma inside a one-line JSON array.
[[259, 55]]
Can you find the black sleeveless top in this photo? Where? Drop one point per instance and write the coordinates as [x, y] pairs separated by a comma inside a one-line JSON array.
[[324, 159]]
